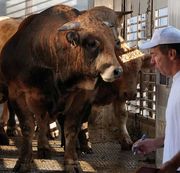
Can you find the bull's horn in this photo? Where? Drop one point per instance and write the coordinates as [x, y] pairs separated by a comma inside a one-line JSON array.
[[69, 26], [123, 13], [108, 23]]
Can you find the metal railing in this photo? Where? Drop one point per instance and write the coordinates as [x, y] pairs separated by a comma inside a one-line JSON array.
[[145, 103]]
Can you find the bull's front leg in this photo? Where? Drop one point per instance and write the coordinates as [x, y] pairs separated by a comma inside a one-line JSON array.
[[71, 157], [27, 124], [44, 150], [121, 117], [72, 124]]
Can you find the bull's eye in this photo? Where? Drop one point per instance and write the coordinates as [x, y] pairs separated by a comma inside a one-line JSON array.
[[117, 44], [92, 47]]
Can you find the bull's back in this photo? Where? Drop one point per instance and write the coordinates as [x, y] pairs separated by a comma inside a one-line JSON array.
[[67, 11], [31, 44]]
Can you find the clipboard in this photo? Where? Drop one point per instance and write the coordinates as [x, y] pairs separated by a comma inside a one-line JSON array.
[[147, 170]]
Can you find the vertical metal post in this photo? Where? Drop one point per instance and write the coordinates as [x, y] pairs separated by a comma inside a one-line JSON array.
[[152, 25], [124, 22], [28, 6], [141, 93]]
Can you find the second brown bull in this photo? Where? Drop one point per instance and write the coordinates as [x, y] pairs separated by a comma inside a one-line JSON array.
[[118, 92], [43, 62]]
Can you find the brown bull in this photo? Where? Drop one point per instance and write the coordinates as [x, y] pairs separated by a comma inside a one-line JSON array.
[[8, 26], [48, 54], [121, 90], [106, 91]]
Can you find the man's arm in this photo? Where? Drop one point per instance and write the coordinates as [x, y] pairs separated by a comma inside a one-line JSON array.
[[172, 165], [175, 161]]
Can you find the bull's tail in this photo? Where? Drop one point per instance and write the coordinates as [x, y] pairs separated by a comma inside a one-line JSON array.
[[3, 93]]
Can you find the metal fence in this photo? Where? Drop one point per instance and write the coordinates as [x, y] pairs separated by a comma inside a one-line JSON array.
[[145, 103]]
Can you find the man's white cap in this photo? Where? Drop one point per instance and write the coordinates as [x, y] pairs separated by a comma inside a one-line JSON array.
[[168, 35]]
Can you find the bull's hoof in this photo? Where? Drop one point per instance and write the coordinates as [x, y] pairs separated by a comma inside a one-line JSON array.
[[44, 153], [13, 131], [73, 168], [21, 167]]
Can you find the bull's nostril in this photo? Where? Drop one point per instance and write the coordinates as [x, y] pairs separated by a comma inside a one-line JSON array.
[[118, 72], [117, 43]]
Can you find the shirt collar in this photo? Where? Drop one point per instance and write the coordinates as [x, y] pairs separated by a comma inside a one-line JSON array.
[[176, 76]]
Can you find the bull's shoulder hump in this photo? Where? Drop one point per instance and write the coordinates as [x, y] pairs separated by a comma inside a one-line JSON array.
[[62, 10], [26, 22]]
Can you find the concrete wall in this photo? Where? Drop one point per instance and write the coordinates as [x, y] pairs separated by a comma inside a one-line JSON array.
[[162, 96]]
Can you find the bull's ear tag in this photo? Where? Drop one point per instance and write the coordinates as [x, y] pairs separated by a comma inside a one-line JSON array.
[[73, 38]]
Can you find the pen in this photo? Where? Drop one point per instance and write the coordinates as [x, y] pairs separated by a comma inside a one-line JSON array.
[[143, 137], [135, 149]]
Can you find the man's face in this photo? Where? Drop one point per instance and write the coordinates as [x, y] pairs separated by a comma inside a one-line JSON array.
[[161, 61]]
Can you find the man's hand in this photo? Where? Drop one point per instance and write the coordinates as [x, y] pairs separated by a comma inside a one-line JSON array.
[[144, 146], [147, 145]]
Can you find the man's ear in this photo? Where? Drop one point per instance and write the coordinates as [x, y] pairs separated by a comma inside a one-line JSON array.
[[172, 54]]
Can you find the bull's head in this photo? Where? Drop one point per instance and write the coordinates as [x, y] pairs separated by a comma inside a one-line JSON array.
[[98, 50]]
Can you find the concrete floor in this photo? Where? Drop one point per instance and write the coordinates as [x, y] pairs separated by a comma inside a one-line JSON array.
[[107, 157]]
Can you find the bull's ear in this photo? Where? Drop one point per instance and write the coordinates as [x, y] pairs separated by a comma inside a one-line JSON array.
[[73, 38]]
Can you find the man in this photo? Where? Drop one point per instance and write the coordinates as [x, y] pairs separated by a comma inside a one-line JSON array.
[[165, 56]]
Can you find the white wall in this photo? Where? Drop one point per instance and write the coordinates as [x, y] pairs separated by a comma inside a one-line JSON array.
[[107, 3], [18, 8], [174, 12], [39, 5]]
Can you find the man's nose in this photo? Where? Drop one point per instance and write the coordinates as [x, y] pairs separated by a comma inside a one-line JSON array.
[[152, 61]]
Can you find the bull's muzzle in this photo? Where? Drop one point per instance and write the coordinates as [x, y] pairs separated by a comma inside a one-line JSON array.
[[111, 73]]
